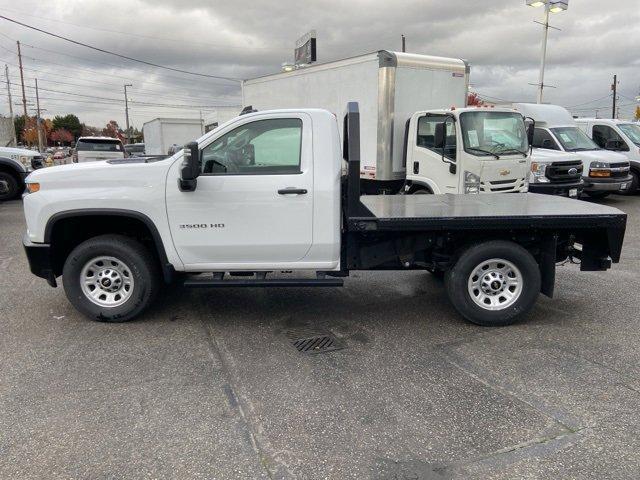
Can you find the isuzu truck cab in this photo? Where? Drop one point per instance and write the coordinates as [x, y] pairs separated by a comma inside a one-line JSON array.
[[485, 150], [261, 202]]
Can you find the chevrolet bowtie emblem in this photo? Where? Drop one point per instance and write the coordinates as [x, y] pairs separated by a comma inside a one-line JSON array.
[[504, 172]]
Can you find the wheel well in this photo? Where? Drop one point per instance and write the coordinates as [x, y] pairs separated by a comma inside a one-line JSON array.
[[66, 233], [419, 186]]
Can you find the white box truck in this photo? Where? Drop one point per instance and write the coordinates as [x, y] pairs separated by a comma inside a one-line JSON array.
[[402, 97], [220, 115], [161, 133]]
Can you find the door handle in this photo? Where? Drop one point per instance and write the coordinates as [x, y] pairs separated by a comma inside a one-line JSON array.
[[292, 191]]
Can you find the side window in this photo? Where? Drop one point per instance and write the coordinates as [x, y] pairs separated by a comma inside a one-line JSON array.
[[604, 133], [425, 137], [543, 139], [263, 147]]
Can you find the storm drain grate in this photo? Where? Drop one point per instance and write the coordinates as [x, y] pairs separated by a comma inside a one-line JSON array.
[[306, 341]]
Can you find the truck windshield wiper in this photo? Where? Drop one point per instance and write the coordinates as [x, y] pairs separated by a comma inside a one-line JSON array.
[[484, 151], [512, 150]]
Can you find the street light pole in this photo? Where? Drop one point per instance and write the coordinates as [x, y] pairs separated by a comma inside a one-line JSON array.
[[550, 6], [126, 111], [543, 51]]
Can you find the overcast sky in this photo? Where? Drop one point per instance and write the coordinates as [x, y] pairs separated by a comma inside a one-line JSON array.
[[243, 39]]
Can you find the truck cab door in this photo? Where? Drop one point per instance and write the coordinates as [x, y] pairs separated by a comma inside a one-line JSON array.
[[253, 204], [427, 165]]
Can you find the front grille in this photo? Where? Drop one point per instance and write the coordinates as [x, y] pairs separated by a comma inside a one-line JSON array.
[[512, 185], [559, 171], [37, 162]]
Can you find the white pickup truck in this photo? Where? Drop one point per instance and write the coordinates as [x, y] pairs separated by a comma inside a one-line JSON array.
[[262, 198]]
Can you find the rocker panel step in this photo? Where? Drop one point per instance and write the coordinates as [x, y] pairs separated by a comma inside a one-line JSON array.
[[276, 282]]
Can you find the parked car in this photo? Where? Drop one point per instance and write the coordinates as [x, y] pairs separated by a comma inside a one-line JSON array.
[[90, 149], [619, 136], [134, 149], [604, 172], [15, 165], [59, 155]]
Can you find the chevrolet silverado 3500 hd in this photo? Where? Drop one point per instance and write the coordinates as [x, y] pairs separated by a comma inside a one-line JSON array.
[[264, 193]]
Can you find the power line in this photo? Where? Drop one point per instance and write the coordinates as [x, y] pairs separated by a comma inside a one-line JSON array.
[[126, 57], [591, 101]]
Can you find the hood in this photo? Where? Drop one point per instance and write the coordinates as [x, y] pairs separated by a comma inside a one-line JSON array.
[[547, 155], [19, 151], [602, 156], [96, 172]]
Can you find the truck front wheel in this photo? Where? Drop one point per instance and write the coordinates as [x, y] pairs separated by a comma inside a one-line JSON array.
[[111, 278], [9, 187], [493, 283]]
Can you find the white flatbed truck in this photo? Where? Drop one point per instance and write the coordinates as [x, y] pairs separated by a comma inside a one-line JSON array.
[[265, 193]]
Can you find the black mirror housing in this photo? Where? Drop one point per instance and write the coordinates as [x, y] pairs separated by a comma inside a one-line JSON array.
[[190, 168], [530, 130], [440, 136]]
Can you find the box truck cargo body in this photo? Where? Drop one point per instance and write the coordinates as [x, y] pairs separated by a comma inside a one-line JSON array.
[[161, 133], [389, 87]]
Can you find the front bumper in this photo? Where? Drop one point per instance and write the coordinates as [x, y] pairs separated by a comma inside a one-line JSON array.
[[39, 256], [562, 189], [607, 184]]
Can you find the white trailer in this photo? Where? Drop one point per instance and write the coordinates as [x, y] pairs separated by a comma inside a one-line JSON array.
[[161, 133], [220, 115], [389, 87]]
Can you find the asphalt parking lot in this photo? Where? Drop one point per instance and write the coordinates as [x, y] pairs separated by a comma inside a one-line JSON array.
[[207, 384]]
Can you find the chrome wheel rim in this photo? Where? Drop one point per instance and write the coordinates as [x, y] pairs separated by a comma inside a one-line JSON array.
[[495, 284], [106, 281]]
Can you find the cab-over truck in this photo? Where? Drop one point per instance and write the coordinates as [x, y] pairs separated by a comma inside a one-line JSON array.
[[262, 199]]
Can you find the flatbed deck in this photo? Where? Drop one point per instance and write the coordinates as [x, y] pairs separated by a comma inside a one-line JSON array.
[[523, 210]]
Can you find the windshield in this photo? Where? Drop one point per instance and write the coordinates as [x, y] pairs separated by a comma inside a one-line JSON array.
[[632, 131], [99, 146], [493, 133], [573, 139]]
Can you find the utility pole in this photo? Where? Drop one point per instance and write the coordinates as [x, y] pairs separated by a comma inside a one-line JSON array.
[[13, 125], [38, 119], [614, 88], [126, 111], [404, 46], [543, 53], [24, 98]]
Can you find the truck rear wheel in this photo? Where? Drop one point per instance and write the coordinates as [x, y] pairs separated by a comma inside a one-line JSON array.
[[111, 278], [493, 283], [9, 188]]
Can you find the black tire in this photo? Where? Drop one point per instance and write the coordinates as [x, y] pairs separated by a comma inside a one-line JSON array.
[[422, 191], [12, 187], [597, 195], [139, 263], [457, 283]]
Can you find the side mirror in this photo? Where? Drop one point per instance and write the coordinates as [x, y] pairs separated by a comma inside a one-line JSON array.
[[190, 168], [546, 143], [530, 130], [440, 135]]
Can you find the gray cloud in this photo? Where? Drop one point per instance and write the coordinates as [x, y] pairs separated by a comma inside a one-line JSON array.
[[248, 38]]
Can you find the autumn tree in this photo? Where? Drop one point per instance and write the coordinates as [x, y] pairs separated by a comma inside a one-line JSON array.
[[89, 131], [62, 136], [637, 114], [112, 130]]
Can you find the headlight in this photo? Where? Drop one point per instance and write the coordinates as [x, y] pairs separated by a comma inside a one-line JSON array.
[[471, 182], [538, 173], [33, 187], [599, 169], [25, 161]]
